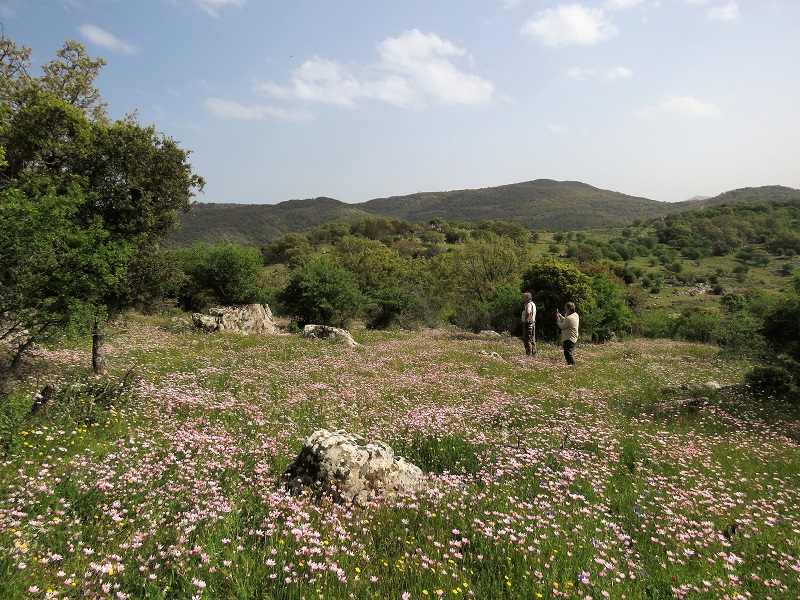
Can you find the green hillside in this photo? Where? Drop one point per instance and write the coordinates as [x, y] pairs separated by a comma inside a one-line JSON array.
[[258, 224], [542, 204]]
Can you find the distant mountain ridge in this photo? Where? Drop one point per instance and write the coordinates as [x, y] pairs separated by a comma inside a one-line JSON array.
[[540, 204]]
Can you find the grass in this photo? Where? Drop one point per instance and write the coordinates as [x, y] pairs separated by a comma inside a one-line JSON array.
[[627, 475]]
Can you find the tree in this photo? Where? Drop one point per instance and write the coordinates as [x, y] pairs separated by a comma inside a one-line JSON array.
[[482, 266], [373, 265], [611, 314], [53, 272], [323, 292], [131, 181], [292, 249], [225, 273], [553, 283]]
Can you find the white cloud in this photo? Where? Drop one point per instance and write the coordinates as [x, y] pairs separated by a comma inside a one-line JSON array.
[[682, 107], [413, 68], [232, 110], [570, 24], [619, 73], [102, 38], [559, 129], [729, 12], [423, 61], [319, 80], [579, 74], [212, 6], [619, 4]]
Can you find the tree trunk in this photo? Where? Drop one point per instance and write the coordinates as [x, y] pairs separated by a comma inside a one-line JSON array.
[[98, 347]]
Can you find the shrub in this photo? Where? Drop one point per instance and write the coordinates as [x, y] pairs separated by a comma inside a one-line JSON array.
[[654, 324], [473, 316], [775, 381], [393, 306], [322, 292], [225, 273], [505, 308], [738, 334], [695, 325]]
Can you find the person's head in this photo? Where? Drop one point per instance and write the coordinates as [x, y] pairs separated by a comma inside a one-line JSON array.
[[526, 297], [569, 308]]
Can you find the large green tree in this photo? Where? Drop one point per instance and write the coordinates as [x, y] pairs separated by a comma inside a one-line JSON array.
[[129, 180], [553, 283]]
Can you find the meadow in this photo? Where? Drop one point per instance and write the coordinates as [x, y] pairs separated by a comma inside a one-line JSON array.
[[645, 472]]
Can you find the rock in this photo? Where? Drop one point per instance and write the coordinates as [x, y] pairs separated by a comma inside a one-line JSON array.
[[489, 333], [247, 318], [335, 464], [325, 332]]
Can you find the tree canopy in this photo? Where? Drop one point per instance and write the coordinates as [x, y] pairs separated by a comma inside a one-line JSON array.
[[103, 194]]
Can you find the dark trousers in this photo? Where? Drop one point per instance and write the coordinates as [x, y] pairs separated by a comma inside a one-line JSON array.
[[569, 347], [529, 338]]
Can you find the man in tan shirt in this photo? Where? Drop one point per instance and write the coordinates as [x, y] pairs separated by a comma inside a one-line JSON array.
[[568, 324]]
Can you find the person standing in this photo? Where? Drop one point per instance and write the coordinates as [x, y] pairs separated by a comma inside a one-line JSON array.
[[568, 323], [529, 324]]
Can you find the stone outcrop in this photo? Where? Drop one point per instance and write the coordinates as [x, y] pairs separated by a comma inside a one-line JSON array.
[[325, 332], [247, 318], [334, 463]]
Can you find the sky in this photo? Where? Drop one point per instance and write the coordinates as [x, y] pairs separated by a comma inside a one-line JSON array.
[[361, 99]]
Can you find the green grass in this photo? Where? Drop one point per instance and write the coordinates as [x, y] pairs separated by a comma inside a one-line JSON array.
[[625, 475]]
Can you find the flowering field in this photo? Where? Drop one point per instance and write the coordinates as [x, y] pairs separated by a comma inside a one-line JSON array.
[[625, 477]]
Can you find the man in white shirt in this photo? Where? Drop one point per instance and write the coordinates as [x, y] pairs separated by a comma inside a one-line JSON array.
[[528, 324]]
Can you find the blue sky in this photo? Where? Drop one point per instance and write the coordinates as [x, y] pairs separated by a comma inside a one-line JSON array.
[[360, 99]]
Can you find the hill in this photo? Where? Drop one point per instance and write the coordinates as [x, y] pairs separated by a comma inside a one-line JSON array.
[[542, 204], [258, 224]]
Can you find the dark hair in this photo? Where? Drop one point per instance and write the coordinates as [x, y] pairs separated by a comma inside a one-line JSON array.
[[570, 306]]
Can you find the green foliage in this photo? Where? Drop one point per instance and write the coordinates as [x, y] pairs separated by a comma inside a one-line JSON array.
[[322, 292], [695, 325], [733, 302], [291, 249], [505, 308], [53, 270], [553, 283], [611, 314], [372, 265], [393, 307], [227, 274], [774, 381], [130, 182], [481, 266], [781, 325], [654, 324], [739, 334]]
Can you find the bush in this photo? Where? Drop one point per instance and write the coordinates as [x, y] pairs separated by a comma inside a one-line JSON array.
[[612, 315], [226, 274], [654, 324], [775, 381], [505, 309], [393, 307], [695, 325], [739, 334], [473, 316], [321, 292]]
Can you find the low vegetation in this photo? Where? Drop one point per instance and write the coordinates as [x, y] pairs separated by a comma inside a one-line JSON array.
[[648, 471]]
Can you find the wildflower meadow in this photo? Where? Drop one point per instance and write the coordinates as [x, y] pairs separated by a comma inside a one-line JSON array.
[[645, 472]]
